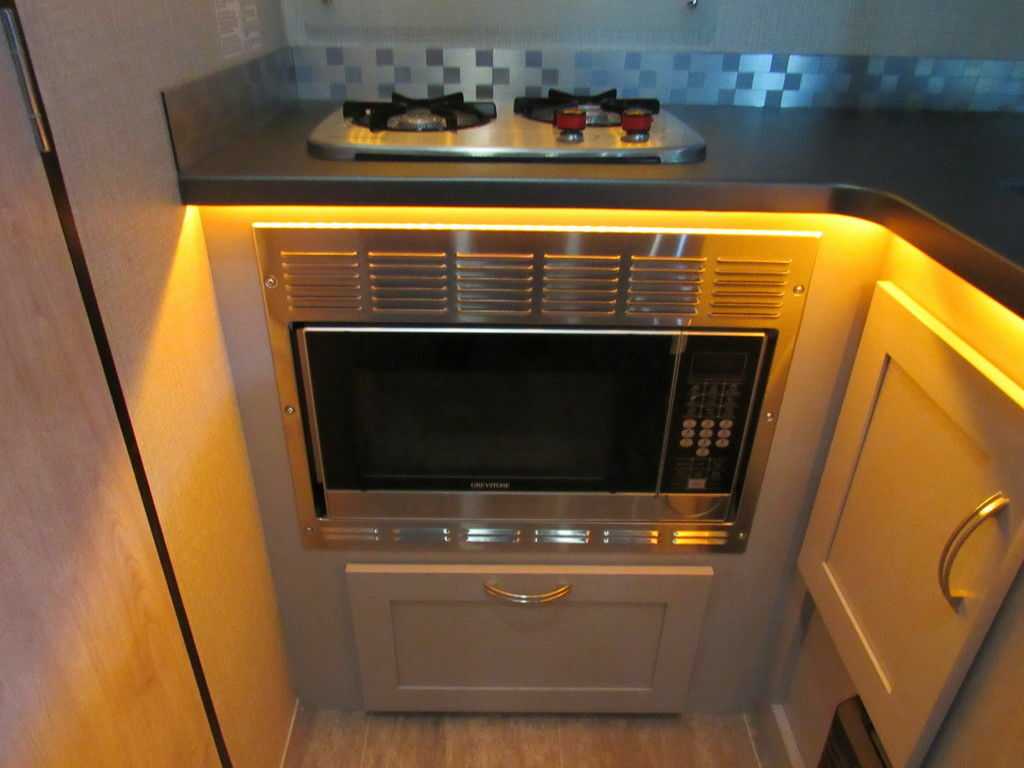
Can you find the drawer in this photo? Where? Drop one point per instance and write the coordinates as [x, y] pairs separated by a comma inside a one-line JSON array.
[[526, 638]]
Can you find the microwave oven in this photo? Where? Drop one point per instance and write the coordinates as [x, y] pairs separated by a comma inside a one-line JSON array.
[[479, 389]]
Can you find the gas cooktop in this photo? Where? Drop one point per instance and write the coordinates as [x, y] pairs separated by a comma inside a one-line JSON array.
[[561, 127]]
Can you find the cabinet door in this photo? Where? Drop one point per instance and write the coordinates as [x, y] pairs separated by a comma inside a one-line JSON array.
[[906, 561], [619, 639]]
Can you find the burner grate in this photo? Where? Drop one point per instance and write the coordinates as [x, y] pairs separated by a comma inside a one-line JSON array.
[[602, 109], [450, 112]]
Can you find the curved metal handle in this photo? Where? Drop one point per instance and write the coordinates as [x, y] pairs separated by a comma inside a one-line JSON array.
[[511, 597], [990, 507]]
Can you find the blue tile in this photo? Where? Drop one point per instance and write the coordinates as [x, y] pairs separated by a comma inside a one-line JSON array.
[[385, 57], [584, 60], [803, 64], [745, 80], [755, 62], [452, 75], [549, 77], [334, 55], [748, 98], [950, 67], [730, 62], [780, 62], [484, 92], [773, 99], [681, 62], [998, 69], [485, 57], [534, 59], [648, 78], [632, 60], [796, 99], [924, 67], [888, 83], [500, 76], [792, 81], [769, 81], [534, 91], [696, 79], [403, 75]]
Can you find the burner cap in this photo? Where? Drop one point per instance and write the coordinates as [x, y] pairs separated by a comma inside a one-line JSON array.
[[417, 120]]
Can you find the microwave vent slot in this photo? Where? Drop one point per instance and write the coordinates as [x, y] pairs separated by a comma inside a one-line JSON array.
[[753, 287], [581, 284], [494, 283], [407, 281], [561, 536], [690, 537], [664, 285], [322, 280]]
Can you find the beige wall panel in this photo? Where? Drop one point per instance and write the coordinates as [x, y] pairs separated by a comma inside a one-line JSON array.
[[94, 670], [101, 70]]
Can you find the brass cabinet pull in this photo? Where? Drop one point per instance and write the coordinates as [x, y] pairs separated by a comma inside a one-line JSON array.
[[989, 508], [511, 597]]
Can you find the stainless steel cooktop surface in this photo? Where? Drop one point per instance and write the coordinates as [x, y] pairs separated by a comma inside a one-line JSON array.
[[563, 128]]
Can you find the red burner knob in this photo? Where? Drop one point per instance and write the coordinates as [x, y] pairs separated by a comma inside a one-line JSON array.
[[570, 123], [571, 119], [637, 121]]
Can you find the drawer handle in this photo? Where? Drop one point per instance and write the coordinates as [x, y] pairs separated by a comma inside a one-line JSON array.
[[989, 508], [511, 597]]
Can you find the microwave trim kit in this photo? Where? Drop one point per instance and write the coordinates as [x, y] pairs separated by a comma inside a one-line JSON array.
[[420, 370]]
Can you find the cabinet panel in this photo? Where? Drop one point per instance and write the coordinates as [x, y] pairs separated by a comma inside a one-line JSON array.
[[432, 638], [929, 430]]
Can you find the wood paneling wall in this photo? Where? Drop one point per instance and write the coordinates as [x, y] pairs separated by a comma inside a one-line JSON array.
[[101, 68], [93, 670]]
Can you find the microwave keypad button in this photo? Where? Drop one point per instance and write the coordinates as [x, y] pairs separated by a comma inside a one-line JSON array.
[[685, 442], [726, 423], [703, 443], [725, 433], [708, 423], [686, 433], [703, 451], [707, 432], [690, 423], [722, 443]]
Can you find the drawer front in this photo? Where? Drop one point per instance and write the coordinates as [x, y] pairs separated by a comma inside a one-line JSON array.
[[515, 639]]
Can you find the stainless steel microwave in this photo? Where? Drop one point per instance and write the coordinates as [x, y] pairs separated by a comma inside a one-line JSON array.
[[489, 389], [631, 414]]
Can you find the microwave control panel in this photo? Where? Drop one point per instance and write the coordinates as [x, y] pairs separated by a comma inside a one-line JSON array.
[[718, 383]]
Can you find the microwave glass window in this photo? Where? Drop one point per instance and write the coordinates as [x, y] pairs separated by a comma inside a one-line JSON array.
[[509, 411]]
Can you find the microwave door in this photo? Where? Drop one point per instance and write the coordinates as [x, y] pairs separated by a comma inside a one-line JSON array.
[[487, 410]]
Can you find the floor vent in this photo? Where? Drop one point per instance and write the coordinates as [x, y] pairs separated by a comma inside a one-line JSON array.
[[494, 283], [664, 285], [407, 281], [581, 284], [322, 280], [751, 287]]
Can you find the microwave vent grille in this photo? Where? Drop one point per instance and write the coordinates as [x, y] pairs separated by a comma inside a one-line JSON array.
[[581, 284], [664, 285], [753, 287], [408, 281], [494, 283], [322, 280]]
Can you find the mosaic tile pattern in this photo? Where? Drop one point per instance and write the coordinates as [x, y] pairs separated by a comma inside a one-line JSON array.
[[739, 79], [206, 114]]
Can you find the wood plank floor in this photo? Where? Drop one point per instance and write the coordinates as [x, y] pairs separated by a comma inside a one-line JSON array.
[[357, 740]]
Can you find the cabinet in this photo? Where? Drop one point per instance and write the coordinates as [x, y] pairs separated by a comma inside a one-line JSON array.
[[916, 533], [602, 639]]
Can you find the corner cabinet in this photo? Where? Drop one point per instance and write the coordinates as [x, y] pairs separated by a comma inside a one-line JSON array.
[[916, 533], [526, 638]]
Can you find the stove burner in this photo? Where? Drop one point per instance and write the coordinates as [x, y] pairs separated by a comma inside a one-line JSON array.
[[450, 112], [602, 109]]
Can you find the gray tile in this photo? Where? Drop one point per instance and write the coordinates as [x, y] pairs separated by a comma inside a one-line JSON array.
[[435, 57], [385, 57], [485, 58], [534, 59]]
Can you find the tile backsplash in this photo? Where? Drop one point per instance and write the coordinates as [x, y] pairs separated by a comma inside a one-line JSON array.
[[365, 71]]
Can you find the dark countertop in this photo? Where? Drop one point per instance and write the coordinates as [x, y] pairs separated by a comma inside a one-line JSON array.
[[951, 183]]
